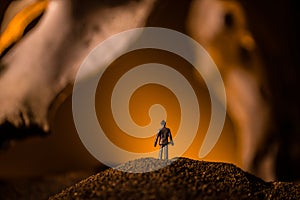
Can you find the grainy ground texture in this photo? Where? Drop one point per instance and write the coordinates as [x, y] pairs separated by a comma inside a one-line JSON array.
[[182, 179], [38, 188]]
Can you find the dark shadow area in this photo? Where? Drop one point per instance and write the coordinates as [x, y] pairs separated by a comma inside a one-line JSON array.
[[275, 27]]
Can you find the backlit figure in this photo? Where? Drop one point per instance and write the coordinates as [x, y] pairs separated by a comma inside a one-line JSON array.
[[163, 136]]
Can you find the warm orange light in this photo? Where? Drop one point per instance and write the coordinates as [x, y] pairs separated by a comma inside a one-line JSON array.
[[147, 95], [17, 25]]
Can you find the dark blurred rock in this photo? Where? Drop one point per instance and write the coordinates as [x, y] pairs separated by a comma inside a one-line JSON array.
[[183, 179]]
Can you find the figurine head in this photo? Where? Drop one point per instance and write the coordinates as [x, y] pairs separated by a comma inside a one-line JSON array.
[[163, 123]]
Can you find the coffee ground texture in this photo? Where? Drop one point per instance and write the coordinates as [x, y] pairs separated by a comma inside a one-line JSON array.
[[179, 178]]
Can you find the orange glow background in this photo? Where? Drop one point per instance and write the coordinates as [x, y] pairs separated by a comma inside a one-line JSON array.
[[150, 94]]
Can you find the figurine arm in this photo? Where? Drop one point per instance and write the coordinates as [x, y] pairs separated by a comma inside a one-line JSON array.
[[171, 139], [156, 139]]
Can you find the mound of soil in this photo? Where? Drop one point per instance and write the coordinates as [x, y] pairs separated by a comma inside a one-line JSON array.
[[182, 179]]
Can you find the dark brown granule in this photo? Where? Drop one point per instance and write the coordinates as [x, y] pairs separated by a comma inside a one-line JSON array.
[[183, 179]]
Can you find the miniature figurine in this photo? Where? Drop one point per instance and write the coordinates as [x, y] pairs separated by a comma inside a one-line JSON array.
[[163, 135]]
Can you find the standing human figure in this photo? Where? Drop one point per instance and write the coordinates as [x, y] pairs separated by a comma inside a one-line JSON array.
[[163, 136]]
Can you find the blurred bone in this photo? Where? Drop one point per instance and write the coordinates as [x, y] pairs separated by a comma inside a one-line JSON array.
[[220, 26], [277, 34], [13, 8], [45, 61]]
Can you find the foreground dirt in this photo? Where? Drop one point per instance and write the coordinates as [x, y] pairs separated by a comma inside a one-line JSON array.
[[182, 179]]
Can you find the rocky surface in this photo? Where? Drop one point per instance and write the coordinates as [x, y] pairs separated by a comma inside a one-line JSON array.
[[182, 179]]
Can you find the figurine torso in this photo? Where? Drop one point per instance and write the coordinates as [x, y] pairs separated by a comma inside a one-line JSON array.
[[164, 134]]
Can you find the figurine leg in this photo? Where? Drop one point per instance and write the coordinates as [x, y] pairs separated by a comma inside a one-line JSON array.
[[166, 152], [160, 152]]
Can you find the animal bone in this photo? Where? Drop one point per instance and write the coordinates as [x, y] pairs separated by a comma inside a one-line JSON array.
[[45, 61]]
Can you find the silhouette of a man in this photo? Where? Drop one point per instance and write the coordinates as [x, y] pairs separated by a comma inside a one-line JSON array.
[[163, 136]]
